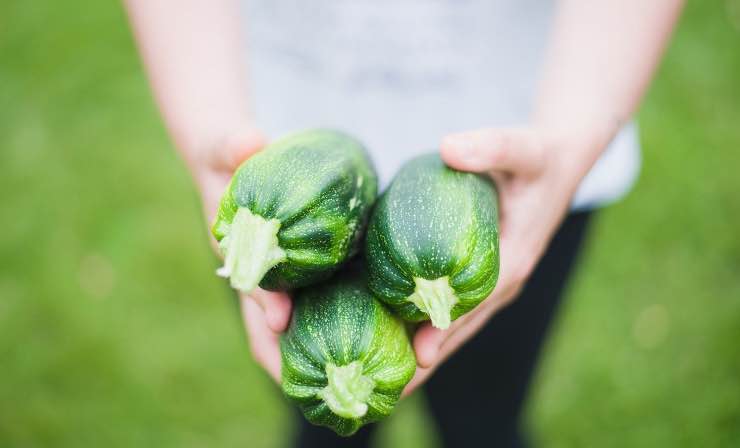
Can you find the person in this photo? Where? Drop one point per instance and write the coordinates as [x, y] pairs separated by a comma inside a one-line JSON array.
[[537, 94]]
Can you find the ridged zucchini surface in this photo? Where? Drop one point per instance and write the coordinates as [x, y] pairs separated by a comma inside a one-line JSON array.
[[432, 245], [294, 212], [345, 357]]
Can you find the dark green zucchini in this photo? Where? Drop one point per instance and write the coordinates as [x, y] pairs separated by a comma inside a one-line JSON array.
[[432, 243], [295, 211], [345, 357]]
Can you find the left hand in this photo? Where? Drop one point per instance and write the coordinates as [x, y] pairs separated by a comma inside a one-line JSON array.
[[266, 313], [536, 174]]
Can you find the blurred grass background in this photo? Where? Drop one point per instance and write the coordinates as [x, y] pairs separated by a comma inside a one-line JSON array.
[[115, 332]]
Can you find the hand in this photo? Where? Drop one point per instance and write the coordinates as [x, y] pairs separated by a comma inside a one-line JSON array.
[[266, 314], [536, 174]]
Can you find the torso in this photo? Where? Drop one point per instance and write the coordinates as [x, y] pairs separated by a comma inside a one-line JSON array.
[[401, 74]]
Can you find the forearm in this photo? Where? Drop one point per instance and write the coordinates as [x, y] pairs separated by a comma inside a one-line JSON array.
[[193, 53], [601, 58]]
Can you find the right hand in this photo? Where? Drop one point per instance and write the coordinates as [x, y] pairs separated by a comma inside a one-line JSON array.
[[266, 314]]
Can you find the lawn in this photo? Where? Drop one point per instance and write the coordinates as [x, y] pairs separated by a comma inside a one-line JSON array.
[[114, 331]]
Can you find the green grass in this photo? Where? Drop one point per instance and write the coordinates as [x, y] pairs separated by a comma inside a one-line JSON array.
[[115, 332]]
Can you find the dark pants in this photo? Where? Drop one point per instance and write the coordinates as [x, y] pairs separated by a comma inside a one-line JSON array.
[[477, 396]]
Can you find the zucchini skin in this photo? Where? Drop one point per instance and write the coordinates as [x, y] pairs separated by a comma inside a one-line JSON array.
[[320, 185], [340, 322], [433, 222]]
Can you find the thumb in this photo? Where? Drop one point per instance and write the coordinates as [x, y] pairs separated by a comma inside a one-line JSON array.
[[513, 150], [221, 161], [276, 307], [236, 148]]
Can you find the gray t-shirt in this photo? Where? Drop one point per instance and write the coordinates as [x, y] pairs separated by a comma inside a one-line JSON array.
[[401, 74]]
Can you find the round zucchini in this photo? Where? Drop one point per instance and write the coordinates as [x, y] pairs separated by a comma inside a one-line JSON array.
[[295, 211], [432, 243], [345, 357]]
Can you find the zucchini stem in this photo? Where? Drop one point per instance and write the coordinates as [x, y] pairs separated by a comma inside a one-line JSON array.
[[250, 249], [348, 390], [435, 298]]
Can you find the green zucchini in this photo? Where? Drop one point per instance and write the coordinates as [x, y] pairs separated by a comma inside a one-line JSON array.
[[345, 357], [432, 245], [295, 211]]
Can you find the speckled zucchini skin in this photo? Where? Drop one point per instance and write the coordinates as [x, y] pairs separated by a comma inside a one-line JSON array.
[[434, 222], [339, 322], [320, 185]]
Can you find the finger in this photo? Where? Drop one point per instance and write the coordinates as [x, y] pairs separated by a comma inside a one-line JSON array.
[[419, 378], [263, 342], [238, 147], [222, 160], [475, 320], [276, 307], [432, 344], [212, 187], [510, 150], [427, 341]]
